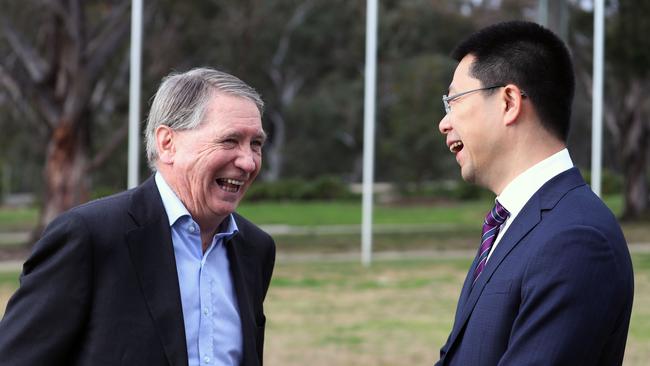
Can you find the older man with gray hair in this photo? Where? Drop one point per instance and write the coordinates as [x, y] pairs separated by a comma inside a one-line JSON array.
[[166, 273]]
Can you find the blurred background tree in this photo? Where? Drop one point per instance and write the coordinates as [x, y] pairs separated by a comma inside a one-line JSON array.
[[64, 77], [52, 69]]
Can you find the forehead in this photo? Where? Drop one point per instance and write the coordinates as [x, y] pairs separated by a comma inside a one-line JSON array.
[[232, 105], [226, 110], [462, 78]]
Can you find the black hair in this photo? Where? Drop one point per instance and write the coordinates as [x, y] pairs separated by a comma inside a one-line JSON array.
[[531, 57]]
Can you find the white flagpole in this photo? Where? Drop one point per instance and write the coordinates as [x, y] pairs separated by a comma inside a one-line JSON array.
[[134, 94], [369, 131], [597, 96]]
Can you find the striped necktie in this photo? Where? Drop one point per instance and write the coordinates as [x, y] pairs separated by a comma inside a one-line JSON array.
[[491, 225]]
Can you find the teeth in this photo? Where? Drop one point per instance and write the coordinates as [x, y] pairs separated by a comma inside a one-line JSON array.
[[233, 181], [456, 146]]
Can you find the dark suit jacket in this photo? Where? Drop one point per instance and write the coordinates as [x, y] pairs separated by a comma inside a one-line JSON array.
[[101, 288], [557, 289]]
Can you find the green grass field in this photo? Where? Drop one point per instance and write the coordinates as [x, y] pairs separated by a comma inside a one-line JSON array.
[[324, 310], [397, 312], [349, 213], [463, 214]]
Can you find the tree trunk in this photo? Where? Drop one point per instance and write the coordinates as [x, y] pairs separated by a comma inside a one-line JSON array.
[[64, 174], [274, 154], [634, 146], [635, 189]]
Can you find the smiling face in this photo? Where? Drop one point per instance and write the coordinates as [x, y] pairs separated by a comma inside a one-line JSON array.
[[211, 167], [472, 128]]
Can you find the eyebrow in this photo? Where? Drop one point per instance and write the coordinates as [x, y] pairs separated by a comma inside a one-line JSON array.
[[262, 136], [234, 134]]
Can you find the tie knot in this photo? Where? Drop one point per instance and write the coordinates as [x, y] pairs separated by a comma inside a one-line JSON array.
[[497, 215]]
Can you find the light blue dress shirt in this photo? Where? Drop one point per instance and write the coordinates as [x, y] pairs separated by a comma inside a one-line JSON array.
[[210, 311]]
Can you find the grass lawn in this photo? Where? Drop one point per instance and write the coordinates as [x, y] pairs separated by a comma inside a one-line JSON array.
[[462, 215], [397, 312], [16, 219], [349, 213]]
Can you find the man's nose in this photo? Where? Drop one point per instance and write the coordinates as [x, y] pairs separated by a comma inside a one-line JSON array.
[[246, 160], [444, 126]]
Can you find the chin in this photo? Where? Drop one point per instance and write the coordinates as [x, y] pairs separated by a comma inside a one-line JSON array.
[[468, 177]]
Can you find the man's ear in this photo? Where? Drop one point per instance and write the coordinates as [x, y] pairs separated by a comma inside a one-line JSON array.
[[513, 99], [165, 144]]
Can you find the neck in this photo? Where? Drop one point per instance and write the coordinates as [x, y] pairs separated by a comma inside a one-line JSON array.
[[208, 232], [521, 159]]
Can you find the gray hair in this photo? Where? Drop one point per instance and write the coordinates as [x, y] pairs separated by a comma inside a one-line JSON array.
[[182, 98]]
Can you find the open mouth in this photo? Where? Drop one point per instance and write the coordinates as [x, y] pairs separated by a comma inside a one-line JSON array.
[[230, 185], [456, 147]]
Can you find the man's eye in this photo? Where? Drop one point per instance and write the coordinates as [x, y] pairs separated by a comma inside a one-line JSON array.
[[257, 145]]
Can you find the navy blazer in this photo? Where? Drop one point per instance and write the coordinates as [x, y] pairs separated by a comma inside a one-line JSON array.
[[101, 288], [557, 290]]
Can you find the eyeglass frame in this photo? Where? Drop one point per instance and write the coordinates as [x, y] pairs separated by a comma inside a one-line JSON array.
[[446, 99]]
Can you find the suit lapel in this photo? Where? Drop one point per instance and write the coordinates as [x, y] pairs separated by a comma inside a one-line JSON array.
[[529, 217], [467, 287], [238, 258], [152, 255]]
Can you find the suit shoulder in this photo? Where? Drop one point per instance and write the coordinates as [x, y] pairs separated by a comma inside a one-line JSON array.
[[582, 204], [103, 206], [251, 230]]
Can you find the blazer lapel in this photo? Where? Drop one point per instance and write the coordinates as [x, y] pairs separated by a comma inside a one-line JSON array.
[[545, 199], [152, 254], [467, 287], [238, 258]]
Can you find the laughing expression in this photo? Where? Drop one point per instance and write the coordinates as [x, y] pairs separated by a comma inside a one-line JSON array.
[[470, 129], [214, 164]]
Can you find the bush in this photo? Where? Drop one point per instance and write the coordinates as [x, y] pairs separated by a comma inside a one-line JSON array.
[[446, 190], [611, 183], [322, 188]]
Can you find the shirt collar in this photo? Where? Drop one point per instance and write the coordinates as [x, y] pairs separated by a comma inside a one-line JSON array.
[[524, 186], [173, 205], [175, 208]]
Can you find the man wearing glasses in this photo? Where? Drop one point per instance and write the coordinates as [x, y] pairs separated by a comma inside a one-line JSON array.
[[552, 281]]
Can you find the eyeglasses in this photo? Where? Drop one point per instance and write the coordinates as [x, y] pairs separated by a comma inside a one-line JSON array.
[[446, 99]]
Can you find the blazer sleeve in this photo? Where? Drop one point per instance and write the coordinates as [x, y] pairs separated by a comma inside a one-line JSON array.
[[575, 294], [45, 317]]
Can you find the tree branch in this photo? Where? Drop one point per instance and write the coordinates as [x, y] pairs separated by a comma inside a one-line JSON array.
[[75, 26], [105, 153], [110, 37], [35, 65], [45, 107], [14, 91], [297, 18]]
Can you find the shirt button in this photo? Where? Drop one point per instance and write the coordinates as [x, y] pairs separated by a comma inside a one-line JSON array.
[[192, 228], [206, 311], [206, 359]]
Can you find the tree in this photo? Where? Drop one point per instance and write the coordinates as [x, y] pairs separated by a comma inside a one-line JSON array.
[[628, 115], [627, 82], [59, 53], [290, 51]]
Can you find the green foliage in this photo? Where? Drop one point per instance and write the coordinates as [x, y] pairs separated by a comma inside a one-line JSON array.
[[410, 147], [311, 73], [611, 183], [457, 190], [104, 191], [628, 45], [323, 188]]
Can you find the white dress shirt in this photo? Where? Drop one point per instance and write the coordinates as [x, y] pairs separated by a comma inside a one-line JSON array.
[[210, 311], [524, 186]]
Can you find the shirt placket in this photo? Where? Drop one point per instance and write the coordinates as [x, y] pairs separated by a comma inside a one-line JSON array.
[[206, 351]]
